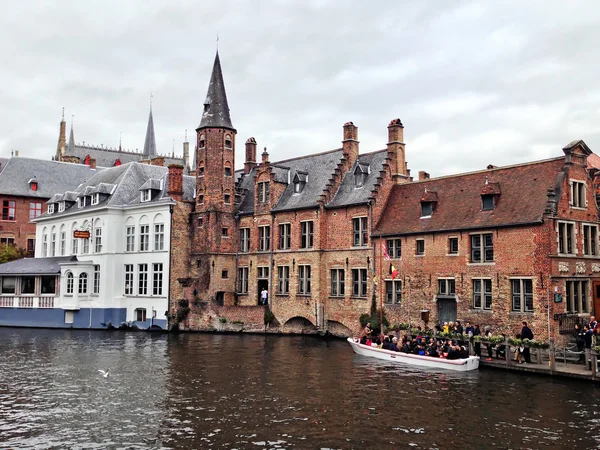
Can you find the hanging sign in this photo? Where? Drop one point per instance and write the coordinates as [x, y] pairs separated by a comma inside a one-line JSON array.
[[78, 234]]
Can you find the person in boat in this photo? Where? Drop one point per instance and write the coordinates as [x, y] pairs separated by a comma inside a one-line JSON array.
[[386, 343], [463, 352], [394, 345], [366, 335], [453, 352]]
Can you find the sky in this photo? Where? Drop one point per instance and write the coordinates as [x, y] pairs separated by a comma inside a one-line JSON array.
[[474, 83]]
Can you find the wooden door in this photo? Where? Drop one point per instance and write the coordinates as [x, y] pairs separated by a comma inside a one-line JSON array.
[[446, 310]]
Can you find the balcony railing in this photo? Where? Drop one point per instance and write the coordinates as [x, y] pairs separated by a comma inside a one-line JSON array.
[[45, 301]]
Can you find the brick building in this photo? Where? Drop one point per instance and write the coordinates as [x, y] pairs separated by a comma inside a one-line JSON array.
[[492, 247], [25, 186]]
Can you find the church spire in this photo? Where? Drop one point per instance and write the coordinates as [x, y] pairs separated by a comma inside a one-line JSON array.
[[216, 109], [62, 138], [71, 142], [150, 142]]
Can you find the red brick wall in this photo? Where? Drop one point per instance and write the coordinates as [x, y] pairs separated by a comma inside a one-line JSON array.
[[20, 229]]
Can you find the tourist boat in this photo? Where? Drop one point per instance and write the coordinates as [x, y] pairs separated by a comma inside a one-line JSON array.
[[461, 365]]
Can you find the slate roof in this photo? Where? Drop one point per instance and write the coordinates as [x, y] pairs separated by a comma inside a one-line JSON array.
[[348, 193], [522, 200], [128, 178], [3, 162], [52, 177], [216, 109], [35, 266], [150, 141]]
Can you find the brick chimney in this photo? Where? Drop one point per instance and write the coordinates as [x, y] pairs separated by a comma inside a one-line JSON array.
[[265, 156], [92, 162], [250, 155], [176, 181], [350, 143], [423, 175], [157, 161], [396, 152]]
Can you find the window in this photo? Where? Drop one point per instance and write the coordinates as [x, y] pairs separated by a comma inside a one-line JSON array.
[[285, 236], [337, 282], [200, 222], [86, 246], [142, 279], [453, 246], [130, 238], [83, 278], [61, 206], [128, 279], [157, 279], [576, 296], [283, 272], [70, 283], [482, 294], [9, 285], [522, 295], [48, 284], [30, 247], [50, 209], [243, 280], [202, 141], [298, 186], [144, 238], [201, 198], [53, 244], [590, 239], [8, 210], [426, 209], [227, 199], [361, 236], [7, 241], [393, 291], [98, 240], [420, 247], [263, 192], [264, 238], [140, 315], [578, 194], [227, 141], [63, 243], [307, 234], [159, 237], [201, 171], [224, 273], [394, 248], [244, 240], [146, 195], [487, 202], [27, 285], [225, 232], [95, 198], [35, 209], [359, 282], [566, 238], [96, 279], [74, 246], [447, 287], [44, 245], [262, 272], [303, 279], [482, 248], [227, 171]]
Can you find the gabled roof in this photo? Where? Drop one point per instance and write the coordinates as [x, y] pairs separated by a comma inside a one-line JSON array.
[[52, 177], [35, 266], [523, 199], [216, 109]]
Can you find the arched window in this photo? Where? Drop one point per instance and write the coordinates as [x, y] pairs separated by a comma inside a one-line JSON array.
[[74, 240], [202, 142], [44, 242], [228, 171], [63, 240], [85, 246], [97, 236], [227, 198], [159, 233], [83, 279], [70, 283], [53, 242], [201, 169], [227, 141], [144, 234]]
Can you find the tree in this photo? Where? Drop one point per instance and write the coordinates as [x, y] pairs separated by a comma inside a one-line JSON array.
[[11, 252]]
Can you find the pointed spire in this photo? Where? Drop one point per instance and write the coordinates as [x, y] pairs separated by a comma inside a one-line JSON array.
[[71, 142], [120, 139], [216, 109], [150, 142]]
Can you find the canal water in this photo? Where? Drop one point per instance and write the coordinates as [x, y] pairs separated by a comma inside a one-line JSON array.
[[249, 391]]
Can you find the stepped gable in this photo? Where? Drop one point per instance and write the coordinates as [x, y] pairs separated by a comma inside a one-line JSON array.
[[52, 177], [523, 199], [347, 193]]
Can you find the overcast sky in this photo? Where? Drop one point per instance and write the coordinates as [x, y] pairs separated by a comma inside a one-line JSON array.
[[475, 83]]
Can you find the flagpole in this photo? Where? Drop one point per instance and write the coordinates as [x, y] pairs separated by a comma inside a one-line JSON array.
[[380, 286]]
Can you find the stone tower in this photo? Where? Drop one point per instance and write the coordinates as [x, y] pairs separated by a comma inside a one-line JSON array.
[[62, 138]]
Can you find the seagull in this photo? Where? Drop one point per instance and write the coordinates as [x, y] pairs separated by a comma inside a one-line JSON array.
[[104, 374]]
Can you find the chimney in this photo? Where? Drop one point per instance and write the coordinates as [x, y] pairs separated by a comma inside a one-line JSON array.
[[423, 175], [350, 143], [157, 161], [265, 156], [250, 155], [176, 181], [16, 152], [395, 148], [92, 163]]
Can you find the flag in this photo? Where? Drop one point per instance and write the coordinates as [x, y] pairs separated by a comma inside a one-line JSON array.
[[384, 252], [394, 272]]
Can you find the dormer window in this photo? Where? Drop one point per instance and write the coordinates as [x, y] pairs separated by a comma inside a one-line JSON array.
[[426, 209], [360, 175], [61, 206], [300, 180], [227, 141], [51, 208], [488, 202], [33, 184], [146, 195], [95, 198], [428, 201], [202, 143]]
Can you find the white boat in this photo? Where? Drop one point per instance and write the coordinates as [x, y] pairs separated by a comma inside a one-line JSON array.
[[461, 365]]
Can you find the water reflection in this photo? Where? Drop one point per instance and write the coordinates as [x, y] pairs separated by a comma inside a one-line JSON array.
[[234, 391]]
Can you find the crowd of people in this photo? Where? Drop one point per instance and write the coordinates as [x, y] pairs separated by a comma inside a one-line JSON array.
[[586, 336]]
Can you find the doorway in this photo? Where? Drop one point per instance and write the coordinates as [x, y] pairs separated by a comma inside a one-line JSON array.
[[262, 284], [596, 294], [446, 310]]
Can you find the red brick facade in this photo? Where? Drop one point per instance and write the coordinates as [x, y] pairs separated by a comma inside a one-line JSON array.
[[15, 226]]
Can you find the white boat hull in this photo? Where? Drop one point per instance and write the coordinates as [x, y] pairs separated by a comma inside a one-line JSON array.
[[461, 365]]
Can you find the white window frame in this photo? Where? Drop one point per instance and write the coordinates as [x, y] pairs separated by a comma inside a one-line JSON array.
[[338, 281], [304, 275], [97, 240], [394, 248], [129, 280], [95, 198], [242, 287], [70, 283], [264, 238], [96, 288], [578, 197], [589, 237], [244, 240], [142, 279], [523, 307], [285, 236], [360, 231], [566, 234], [146, 195], [159, 237], [446, 287], [359, 282], [51, 208], [393, 292], [144, 238], [283, 280], [307, 238], [82, 283], [63, 243], [157, 279], [61, 206], [483, 248], [130, 238], [483, 293], [577, 296]]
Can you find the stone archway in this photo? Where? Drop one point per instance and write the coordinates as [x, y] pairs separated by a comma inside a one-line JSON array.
[[300, 325], [338, 329]]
